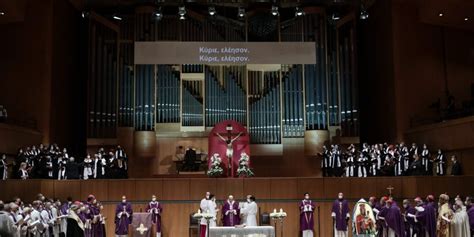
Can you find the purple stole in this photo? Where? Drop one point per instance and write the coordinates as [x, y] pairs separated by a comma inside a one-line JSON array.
[[306, 217], [155, 217]]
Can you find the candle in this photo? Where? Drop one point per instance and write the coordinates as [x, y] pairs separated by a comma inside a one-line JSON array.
[[199, 211], [281, 210], [275, 210]]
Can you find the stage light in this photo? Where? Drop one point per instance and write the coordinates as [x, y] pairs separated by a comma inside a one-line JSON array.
[[441, 14], [212, 11], [299, 12], [275, 10], [158, 14], [364, 14], [335, 17], [182, 12], [241, 13], [84, 14], [117, 17]]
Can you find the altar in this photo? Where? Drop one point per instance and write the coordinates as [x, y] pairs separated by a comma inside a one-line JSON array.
[[254, 231]]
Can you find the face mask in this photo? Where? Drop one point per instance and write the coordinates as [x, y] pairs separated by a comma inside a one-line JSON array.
[[124, 200], [306, 197], [405, 206], [153, 199], [94, 201], [340, 197], [248, 200]]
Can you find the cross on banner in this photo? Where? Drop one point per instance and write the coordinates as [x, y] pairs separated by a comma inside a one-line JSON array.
[[141, 229]]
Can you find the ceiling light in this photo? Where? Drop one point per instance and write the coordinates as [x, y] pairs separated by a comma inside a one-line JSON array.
[[335, 17], [212, 10], [2, 13], [84, 14], [441, 14], [241, 13], [182, 11], [158, 14], [182, 17], [117, 17], [466, 18], [275, 10], [364, 14], [299, 11]]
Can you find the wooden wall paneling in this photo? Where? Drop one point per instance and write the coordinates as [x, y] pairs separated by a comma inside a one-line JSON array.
[[146, 188], [284, 188], [314, 186], [409, 187], [258, 187], [199, 187], [118, 188], [47, 188], [175, 218], [333, 186], [362, 188], [177, 189], [98, 188], [68, 188], [424, 186], [230, 186]]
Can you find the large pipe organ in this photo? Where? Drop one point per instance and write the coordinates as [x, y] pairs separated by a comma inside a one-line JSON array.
[[273, 101]]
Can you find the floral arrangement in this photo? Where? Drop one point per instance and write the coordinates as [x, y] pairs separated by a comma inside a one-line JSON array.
[[216, 169], [278, 215], [244, 170]]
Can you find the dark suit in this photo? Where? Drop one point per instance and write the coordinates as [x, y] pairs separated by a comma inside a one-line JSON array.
[[456, 169]]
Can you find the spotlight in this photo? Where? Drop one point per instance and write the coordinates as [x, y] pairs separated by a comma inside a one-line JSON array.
[[212, 11], [335, 17], [2, 13], [241, 13], [441, 14], [299, 12], [275, 10], [182, 12], [364, 14], [157, 14], [466, 18], [117, 17], [84, 14]]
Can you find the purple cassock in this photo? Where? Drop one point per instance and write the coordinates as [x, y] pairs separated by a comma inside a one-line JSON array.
[[65, 208], [394, 221], [122, 220], [470, 214], [410, 222], [155, 209], [231, 213], [97, 228], [340, 208], [306, 215], [427, 218]]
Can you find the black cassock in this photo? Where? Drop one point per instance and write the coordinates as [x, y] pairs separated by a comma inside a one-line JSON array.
[[73, 229]]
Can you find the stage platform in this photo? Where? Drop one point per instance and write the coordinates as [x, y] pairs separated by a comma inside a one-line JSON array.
[[180, 196]]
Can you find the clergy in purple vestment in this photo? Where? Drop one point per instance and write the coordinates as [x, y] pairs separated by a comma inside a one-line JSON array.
[[154, 207], [95, 217], [394, 221], [470, 213], [307, 216], [426, 216], [123, 217], [231, 212], [412, 226], [340, 215]]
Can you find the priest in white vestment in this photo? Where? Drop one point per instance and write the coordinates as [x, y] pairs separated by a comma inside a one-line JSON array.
[[460, 222], [249, 212]]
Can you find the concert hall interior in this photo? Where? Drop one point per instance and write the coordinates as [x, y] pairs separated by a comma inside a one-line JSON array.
[[104, 101]]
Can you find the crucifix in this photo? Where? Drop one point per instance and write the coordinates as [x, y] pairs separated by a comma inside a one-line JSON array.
[[229, 140], [142, 229], [390, 189]]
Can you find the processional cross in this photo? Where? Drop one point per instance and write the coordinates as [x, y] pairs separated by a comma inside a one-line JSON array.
[[230, 148], [141, 229], [390, 189]]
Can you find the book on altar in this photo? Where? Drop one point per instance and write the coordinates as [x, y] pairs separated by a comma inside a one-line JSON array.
[[307, 208]]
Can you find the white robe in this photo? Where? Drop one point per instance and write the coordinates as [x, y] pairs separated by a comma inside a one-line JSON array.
[[460, 224], [249, 211]]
